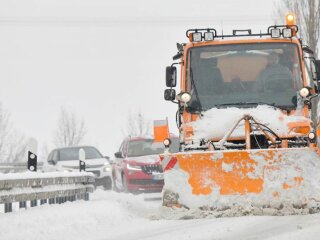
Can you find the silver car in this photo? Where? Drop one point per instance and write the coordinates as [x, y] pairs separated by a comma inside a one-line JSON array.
[[67, 160]]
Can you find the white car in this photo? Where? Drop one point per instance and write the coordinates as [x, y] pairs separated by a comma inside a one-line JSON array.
[[67, 160]]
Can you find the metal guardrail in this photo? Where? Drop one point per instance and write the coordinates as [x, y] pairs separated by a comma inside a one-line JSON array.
[[16, 167], [53, 187]]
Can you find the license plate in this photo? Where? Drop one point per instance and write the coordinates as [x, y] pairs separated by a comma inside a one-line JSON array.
[[158, 176]]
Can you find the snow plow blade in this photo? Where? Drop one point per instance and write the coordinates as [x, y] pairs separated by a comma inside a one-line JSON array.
[[264, 178]]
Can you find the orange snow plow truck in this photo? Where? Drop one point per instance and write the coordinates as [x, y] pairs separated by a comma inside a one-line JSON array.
[[249, 121]]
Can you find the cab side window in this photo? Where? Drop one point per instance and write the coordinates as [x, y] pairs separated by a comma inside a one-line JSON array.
[[125, 148], [119, 160], [121, 148], [55, 156], [50, 156]]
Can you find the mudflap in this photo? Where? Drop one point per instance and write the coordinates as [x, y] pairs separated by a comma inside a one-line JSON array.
[[264, 178]]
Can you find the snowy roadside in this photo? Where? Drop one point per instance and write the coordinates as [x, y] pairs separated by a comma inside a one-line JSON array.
[[110, 215]]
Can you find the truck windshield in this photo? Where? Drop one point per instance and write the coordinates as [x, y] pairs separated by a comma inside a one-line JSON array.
[[236, 74], [143, 147]]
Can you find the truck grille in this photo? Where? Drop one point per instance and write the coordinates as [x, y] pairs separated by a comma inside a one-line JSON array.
[[149, 169]]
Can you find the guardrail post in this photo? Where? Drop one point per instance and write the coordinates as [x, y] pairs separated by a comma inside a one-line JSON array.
[[86, 196], [7, 207], [79, 196], [33, 203], [23, 204], [32, 155], [82, 163], [78, 190]]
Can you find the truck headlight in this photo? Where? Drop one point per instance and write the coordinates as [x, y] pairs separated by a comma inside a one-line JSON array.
[[304, 92], [287, 33], [184, 97], [196, 36], [208, 36], [275, 33], [312, 136], [167, 142]]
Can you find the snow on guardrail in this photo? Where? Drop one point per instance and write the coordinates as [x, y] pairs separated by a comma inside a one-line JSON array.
[[57, 187]]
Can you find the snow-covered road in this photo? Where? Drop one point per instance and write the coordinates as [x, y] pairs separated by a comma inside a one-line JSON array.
[[110, 215]]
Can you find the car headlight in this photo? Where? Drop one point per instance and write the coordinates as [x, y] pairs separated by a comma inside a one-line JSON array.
[[69, 170], [133, 167], [107, 168]]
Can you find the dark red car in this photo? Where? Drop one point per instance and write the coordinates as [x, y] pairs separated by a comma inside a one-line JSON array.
[[137, 166]]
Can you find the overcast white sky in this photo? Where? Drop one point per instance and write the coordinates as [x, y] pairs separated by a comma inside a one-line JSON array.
[[101, 58]]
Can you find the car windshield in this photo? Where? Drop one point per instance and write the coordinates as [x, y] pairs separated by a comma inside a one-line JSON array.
[[259, 73], [145, 147], [73, 153]]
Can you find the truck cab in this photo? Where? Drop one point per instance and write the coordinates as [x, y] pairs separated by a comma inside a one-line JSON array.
[[245, 70]]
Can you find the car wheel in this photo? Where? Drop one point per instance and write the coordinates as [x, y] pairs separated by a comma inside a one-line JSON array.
[[108, 184]]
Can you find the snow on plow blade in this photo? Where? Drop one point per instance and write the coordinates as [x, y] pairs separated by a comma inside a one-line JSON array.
[[259, 178]]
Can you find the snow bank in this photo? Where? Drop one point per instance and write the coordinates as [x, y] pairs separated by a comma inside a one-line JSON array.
[[114, 216], [215, 123]]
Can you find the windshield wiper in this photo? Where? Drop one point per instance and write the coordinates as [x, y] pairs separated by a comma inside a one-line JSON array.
[[195, 88], [246, 103]]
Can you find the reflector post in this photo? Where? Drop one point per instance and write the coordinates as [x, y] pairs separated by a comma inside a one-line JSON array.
[[160, 130]]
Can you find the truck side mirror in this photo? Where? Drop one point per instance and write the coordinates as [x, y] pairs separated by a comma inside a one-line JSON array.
[[171, 76], [318, 69], [169, 94]]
